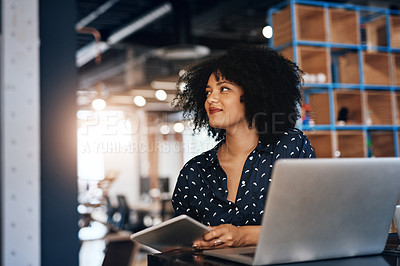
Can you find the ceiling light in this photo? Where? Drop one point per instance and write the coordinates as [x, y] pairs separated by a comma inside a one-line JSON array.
[[179, 127], [182, 52], [161, 95], [164, 129], [267, 32], [99, 104], [83, 100], [139, 101], [165, 85]]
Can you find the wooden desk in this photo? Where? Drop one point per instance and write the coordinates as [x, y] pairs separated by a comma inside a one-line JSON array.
[[190, 257]]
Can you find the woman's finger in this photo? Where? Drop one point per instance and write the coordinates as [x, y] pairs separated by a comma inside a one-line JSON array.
[[217, 232], [215, 243], [218, 238]]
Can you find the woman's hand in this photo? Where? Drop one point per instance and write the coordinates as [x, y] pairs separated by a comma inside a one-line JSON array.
[[227, 235]]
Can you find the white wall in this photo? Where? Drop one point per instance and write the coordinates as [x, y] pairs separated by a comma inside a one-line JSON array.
[[169, 159], [20, 141], [109, 144]]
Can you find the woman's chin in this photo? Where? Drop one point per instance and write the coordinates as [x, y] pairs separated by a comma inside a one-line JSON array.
[[217, 125]]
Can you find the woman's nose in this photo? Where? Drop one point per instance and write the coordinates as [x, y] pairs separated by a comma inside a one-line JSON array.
[[212, 98]]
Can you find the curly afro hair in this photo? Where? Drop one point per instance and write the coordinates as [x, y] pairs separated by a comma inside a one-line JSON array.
[[271, 89]]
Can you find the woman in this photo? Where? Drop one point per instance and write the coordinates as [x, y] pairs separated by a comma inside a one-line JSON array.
[[248, 99]]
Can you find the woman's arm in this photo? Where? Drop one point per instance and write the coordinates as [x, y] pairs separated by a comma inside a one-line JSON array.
[[228, 235], [182, 193]]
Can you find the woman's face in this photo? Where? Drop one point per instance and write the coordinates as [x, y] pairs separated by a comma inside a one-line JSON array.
[[223, 106]]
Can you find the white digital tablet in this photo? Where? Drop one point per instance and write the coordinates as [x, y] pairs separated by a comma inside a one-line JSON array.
[[176, 233]]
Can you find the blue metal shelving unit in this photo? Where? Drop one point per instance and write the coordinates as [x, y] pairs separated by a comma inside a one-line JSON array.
[[364, 15]]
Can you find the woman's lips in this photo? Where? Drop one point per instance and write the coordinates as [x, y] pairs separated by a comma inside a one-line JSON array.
[[214, 110]]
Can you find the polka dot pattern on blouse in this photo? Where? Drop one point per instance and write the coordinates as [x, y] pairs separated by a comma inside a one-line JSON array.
[[201, 189]]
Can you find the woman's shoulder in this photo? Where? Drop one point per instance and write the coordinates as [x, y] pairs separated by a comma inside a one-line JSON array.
[[201, 160], [294, 143], [292, 134]]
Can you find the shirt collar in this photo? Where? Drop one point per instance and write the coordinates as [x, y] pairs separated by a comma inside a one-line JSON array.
[[212, 158], [263, 147], [211, 155]]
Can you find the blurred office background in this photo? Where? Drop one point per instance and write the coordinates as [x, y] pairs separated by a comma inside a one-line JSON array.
[[91, 146]]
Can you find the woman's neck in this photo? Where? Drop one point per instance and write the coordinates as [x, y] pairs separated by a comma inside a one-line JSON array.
[[241, 142]]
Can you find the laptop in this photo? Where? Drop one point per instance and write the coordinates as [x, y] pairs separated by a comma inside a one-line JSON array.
[[323, 209]]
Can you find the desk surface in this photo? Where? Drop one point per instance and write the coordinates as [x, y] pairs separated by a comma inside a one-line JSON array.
[[195, 258], [191, 257]]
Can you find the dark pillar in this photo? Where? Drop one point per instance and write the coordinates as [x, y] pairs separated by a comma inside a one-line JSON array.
[[58, 79]]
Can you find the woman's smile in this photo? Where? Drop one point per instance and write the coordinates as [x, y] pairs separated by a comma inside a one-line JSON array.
[[214, 110]]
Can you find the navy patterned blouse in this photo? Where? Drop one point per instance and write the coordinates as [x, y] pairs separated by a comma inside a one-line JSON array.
[[201, 189]]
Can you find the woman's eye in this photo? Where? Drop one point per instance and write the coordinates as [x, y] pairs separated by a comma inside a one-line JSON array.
[[224, 89], [208, 92]]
